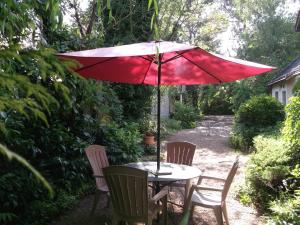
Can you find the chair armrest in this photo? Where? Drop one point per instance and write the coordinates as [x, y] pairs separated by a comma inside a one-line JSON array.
[[159, 195], [198, 187], [98, 176], [213, 178]]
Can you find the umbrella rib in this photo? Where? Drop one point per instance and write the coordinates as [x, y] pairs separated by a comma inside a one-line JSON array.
[[202, 69], [86, 67], [150, 60], [147, 71], [176, 56]]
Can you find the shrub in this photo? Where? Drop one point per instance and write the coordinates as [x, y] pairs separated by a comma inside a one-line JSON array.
[[186, 114], [291, 128], [260, 114], [169, 126], [267, 169], [123, 143], [286, 209], [149, 149]]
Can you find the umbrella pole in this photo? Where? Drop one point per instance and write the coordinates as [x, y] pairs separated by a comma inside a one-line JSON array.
[[158, 113]]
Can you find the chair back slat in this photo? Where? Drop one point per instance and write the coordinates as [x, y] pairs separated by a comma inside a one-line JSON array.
[[129, 193], [180, 152], [97, 157], [229, 178]]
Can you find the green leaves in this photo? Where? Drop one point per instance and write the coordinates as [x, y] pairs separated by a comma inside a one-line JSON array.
[[13, 156]]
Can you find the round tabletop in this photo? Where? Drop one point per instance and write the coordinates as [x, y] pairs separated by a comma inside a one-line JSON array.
[[174, 172]]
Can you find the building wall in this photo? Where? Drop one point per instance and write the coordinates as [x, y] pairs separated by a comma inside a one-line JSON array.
[[284, 86], [164, 106]]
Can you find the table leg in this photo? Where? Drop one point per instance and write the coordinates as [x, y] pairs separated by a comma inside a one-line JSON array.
[[188, 186], [157, 189]]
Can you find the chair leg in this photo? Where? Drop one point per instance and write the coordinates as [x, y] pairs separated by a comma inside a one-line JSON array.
[[108, 200], [165, 210], [115, 220], [96, 200], [218, 213], [224, 209], [187, 189]]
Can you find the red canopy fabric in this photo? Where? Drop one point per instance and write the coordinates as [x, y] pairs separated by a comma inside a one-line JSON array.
[[181, 64]]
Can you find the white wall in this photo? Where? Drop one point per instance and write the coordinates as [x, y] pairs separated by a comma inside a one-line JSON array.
[[287, 86], [164, 106]]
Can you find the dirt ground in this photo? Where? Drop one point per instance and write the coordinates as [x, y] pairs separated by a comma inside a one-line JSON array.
[[213, 156]]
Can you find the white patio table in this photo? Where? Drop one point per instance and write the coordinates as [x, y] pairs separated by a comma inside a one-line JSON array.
[[169, 173]]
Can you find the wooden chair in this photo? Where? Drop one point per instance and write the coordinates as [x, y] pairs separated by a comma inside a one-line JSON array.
[[181, 153], [217, 202], [129, 195], [96, 155]]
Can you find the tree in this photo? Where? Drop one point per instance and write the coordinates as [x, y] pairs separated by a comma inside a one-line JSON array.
[[195, 21]]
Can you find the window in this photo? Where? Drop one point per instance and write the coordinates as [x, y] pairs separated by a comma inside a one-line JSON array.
[[284, 97], [276, 95]]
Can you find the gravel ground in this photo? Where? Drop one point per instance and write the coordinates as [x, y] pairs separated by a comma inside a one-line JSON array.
[[213, 156]]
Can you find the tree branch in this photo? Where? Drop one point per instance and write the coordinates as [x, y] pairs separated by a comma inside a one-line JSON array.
[[74, 5], [92, 18]]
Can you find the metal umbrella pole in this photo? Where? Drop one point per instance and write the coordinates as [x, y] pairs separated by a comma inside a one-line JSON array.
[[158, 113]]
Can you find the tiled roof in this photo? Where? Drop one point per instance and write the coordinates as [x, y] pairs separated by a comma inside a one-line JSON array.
[[292, 69]]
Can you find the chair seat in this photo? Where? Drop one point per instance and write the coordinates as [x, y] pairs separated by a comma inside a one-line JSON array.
[[206, 199], [153, 209], [103, 188]]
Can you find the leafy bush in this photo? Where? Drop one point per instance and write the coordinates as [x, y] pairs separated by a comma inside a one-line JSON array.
[[285, 210], [135, 99], [260, 114], [149, 149], [186, 114], [123, 143], [266, 170], [291, 128], [215, 100]]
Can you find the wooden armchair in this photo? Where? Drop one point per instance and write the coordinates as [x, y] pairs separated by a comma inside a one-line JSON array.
[[181, 153], [96, 155], [217, 202], [129, 195]]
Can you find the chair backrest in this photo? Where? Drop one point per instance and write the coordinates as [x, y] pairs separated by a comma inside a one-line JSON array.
[[229, 178], [129, 192], [97, 157], [180, 152]]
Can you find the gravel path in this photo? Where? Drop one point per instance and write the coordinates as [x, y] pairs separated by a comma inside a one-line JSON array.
[[215, 157], [212, 155]]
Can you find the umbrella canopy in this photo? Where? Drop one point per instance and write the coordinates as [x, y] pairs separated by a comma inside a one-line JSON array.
[[181, 64], [161, 63]]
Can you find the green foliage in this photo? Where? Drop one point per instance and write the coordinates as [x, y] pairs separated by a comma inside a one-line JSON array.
[[266, 170], [185, 21], [285, 210], [135, 99], [267, 26], [259, 114], [11, 155], [169, 126], [186, 114], [273, 175], [149, 149], [291, 128], [147, 125], [215, 100], [123, 143], [131, 22], [6, 217]]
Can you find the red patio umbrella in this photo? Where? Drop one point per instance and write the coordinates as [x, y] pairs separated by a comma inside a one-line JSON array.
[[161, 63]]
